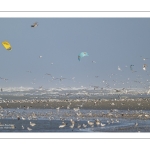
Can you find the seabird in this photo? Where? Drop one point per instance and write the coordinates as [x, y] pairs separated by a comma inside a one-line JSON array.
[[58, 108], [76, 109], [34, 25], [84, 125], [29, 129], [112, 104], [22, 118], [90, 123], [32, 124], [103, 125], [71, 126], [63, 125], [72, 122], [119, 68]]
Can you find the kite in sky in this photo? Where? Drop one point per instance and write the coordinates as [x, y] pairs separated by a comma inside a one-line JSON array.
[[6, 45], [82, 54]]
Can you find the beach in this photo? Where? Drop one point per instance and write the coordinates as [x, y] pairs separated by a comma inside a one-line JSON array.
[[50, 112]]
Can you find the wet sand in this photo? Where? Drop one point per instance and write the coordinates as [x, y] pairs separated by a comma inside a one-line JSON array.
[[100, 104]]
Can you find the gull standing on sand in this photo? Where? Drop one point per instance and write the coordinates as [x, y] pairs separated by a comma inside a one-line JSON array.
[[112, 104], [76, 109], [58, 108]]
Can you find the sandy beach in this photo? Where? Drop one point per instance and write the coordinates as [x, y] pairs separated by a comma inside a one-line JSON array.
[[100, 104]]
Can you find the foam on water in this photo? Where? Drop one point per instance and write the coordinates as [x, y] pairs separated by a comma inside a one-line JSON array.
[[72, 93]]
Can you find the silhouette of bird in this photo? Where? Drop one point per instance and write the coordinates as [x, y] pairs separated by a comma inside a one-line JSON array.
[[34, 25]]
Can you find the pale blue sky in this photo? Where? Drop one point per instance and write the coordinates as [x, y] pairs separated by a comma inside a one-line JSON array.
[[111, 42]]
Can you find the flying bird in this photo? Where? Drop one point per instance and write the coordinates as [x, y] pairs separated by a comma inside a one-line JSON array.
[[32, 124], [34, 25], [131, 68], [144, 58], [144, 67], [59, 79], [29, 129], [48, 74], [62, 125], [93, 61], [119, 68]]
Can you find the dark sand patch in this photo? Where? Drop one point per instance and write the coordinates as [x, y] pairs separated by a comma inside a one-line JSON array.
[[103, 104]]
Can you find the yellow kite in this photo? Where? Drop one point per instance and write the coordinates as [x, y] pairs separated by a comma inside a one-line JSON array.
[[7, 45]]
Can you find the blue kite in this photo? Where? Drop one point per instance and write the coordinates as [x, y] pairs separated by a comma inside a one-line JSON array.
[[82, 54]]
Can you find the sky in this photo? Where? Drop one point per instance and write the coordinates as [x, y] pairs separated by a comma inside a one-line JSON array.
[[112, 43]]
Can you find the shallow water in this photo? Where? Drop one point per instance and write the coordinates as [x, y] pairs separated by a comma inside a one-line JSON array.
[[49, 120]]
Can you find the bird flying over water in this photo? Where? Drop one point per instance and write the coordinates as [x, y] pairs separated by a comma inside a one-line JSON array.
[[144, 67], [119, 68], [48, 74], [59, 78], [131, 68], [34, 25], [144, 58], [93, 61]]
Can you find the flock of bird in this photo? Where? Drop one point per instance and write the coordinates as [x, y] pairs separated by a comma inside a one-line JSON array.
[[96, 122], [78, 117]]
